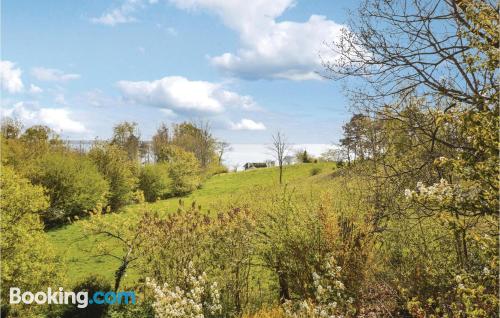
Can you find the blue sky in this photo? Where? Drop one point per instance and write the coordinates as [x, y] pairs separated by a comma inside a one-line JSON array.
[[248, 67]]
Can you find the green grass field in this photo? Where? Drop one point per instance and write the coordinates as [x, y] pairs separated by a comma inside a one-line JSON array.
[[76, 250]]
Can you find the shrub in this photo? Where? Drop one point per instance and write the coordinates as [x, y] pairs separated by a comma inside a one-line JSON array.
[[315, 171], [273, 312], [198, 298], [28, 260], [91, 285], [154, 181], [214, 168], [73, 184], [114, 165], [184, 171], [303, 157], [138, 196]]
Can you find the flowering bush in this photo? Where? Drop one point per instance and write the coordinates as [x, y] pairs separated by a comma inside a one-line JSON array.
[[330, 297], [198, 299]]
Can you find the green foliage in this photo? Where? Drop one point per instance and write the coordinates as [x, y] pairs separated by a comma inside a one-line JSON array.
[[303, 156], [22, 151], [154, 181], [189, 137], [409, 229], [28, 259], [197, 139], [73, 184], [184, 171], [315, 171], [114, 164], [220, 246], [11, 128], [127, 137], [216, 190]]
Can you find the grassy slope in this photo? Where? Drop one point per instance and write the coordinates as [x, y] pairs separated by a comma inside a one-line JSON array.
[[72, 245]]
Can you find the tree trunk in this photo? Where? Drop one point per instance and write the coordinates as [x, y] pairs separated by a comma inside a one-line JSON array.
[[281, 173], [283, 283], [120, 272]]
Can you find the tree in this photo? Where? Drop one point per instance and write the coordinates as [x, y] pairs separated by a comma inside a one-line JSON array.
[[280, 148], [184, 171], [108, 234], [222, 147], [426, 74], [354, 134], [196, 138], [21, 150], [159, 143], [121, 173], [126, 135], [28, 259], [397, 47], [73, 184], [11, 128], [334, 154], [154, 181], [303, 157]]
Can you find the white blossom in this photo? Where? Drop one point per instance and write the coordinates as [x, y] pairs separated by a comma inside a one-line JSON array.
[[177, 302]]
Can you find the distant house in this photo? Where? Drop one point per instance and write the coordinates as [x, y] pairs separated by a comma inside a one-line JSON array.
[[256, 165]]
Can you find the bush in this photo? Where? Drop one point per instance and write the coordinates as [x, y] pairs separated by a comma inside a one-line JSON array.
[[154, 181], [91, 284], [114, 165], [73, 184], [184, 170], [315, 171], [303, 157], [28, 260]]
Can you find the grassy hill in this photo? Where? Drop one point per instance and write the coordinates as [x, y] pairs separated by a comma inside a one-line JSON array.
[[75, 249]]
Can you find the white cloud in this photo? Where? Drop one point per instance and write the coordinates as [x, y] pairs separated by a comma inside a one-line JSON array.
[[35, 89], [123, 13], [184, 96], [248, 124], [52, 75], [270, 49], [56, 118], [10, 77]]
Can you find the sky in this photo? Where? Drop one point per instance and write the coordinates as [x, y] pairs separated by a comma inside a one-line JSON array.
[[249, 68]]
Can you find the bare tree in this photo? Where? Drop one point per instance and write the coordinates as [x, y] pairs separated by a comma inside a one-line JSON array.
[[396, 48], [280, 148], [222, 147]]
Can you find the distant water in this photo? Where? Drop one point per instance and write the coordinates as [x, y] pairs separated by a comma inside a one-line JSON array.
[[243, 153]]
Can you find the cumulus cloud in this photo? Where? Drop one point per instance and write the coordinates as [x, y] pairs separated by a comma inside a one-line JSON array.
[[269, 49], [181, 95], [52, 75], [56, 118], [248, 124], [10, 77], [122, 14]]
